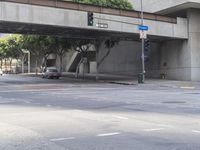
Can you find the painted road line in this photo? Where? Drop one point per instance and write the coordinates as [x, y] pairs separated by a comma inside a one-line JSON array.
[[27, 102], [196, 131], [62, 139], [108, 134], [35, 90], [187, 87], [155, 129], [121, 117]]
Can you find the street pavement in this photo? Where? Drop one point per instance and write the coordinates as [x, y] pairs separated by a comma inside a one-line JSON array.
[[75, 114]]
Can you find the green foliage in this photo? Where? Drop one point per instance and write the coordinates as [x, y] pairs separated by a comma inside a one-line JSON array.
[[8, 46], [120, 4]]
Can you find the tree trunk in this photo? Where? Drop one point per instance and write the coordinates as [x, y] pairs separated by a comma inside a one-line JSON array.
[[45, 60], [97, 46], [78, 66], [10, 65], [61, 59], [5, 65], [1, 64], [36, 66], [22, 64], [16, 69]]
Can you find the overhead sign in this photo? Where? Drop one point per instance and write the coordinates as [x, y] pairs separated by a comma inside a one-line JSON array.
[[143, 28]]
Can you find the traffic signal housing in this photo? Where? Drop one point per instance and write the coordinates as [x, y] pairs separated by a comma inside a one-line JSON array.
[[146, 50], [146, 45], [90, 18]]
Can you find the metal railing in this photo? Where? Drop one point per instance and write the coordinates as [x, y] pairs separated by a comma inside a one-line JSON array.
[[94, 8]]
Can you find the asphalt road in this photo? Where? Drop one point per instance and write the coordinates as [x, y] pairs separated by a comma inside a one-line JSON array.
[[66, 114]]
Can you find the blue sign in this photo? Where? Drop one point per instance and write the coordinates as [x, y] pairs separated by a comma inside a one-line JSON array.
[[143, 28]]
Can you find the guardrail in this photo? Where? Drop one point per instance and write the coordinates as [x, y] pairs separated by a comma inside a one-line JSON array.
[[94, 8]]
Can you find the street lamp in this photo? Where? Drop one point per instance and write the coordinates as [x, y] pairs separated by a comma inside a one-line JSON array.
[[142, 23]]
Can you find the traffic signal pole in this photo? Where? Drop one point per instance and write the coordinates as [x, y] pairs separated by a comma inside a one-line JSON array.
[[142, 23]]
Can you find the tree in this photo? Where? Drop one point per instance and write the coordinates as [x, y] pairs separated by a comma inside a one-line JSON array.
[[46, 47], [38, 46], [32, 44], [81, 46], [2, 51], [61, 46], [9, 49], [120, 4], [109, 44]]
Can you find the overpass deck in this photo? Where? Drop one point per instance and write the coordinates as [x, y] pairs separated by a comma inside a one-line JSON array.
[[68, 18]]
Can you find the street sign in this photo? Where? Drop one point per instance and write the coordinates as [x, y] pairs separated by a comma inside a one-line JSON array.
[[143, 34], [143, 28], [102, 25]]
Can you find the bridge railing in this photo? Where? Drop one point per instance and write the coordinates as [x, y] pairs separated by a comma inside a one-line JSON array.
[[93, 8]]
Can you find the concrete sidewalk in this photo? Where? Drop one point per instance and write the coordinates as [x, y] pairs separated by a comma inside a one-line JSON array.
[[130, 80]]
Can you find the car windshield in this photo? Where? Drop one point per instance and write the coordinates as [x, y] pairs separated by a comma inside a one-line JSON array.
[[52, 70]]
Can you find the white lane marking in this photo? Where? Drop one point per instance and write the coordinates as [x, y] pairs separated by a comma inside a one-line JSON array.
[[32, 90], [62, 139], [27, 102], [6, 102], [165, 125], [195, 131], [121, 117], [108, 134], [155, 129], [187, 87]]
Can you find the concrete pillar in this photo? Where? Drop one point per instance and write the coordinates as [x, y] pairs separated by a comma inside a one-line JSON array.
[[193, 16]]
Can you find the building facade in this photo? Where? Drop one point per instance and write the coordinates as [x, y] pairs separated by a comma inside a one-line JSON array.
[[177, 59]]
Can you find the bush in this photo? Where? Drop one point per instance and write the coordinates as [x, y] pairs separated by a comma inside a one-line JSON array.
[[120, 4]]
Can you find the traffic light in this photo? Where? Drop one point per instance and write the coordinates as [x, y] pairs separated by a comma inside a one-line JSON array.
[[146, 50], [90, 18], [146, 45]]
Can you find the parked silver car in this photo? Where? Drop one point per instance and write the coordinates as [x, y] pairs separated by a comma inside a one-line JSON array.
[[51, 73]]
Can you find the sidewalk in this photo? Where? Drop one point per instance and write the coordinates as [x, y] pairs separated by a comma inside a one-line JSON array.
[[131, 80]]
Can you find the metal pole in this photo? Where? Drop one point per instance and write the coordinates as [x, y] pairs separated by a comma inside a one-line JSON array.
[[142, 23]]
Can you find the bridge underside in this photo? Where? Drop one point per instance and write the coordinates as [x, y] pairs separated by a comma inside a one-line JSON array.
[[69, 32]]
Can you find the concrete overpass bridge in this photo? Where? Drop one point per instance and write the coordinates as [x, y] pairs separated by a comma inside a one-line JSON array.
[[58, 17]]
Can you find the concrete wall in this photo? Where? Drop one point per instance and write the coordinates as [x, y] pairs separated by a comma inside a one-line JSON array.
[[125, 58], [176, 60], [183, 57]]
